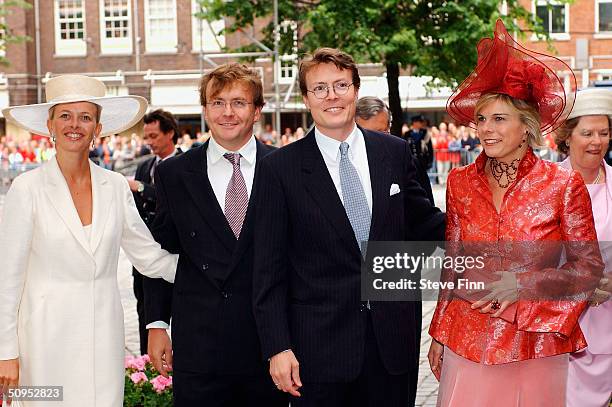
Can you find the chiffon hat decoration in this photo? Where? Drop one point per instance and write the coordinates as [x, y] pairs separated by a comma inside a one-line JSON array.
[[505, 67], [118, 113], [592, 101]]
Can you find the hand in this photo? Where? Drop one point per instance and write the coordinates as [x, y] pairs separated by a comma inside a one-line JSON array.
[[285, 372], [599, 297], [436, 350], [9, 376], [504, 291], [605, 284], [133, 185], [160, 350]]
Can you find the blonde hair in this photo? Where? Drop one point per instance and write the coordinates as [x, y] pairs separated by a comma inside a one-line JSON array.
[[528, 115]]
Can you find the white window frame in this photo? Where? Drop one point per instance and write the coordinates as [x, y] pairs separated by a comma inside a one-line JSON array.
[[115, 45], [169, 44], [208, 35], [600, 34], [69, 47], [565, 35]]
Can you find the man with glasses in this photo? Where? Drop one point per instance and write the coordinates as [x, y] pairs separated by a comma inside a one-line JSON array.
[[318, 200], [205, 214]]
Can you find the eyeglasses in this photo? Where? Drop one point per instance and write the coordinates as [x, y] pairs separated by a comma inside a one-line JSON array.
[[237, 104], [322, 91]]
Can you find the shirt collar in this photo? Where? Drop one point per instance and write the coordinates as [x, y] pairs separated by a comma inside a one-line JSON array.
[[248, 151], [172, 154], [331, 147]]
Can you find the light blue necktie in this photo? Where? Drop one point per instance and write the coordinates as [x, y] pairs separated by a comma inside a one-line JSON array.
[[354, 198]]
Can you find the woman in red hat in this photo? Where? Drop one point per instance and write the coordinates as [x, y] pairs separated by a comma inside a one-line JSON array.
[[508, 345]]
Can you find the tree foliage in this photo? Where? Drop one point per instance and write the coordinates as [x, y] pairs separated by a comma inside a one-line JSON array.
[[434, 38], [7, 35]]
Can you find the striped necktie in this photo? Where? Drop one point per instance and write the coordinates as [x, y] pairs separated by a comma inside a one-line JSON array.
[[236, 196]]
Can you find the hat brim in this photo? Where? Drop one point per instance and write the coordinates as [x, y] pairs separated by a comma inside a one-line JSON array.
[[592, 102], [119, 113]]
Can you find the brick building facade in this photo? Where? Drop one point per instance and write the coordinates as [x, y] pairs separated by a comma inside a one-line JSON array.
[[157, 54]]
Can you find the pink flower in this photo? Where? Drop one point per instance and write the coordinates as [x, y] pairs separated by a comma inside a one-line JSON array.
[[160, 383], [138, 377], [146, 358], [128, 362], [137, 363]]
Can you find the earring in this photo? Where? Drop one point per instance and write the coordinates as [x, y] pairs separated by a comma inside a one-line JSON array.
[[53, 138], [566, 143], [522, 141], [93, 142]]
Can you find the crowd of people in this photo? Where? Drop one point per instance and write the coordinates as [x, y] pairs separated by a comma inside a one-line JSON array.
[[450, 146], [262, 249]]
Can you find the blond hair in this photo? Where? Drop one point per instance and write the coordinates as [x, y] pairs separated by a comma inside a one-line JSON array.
[[528, 115]]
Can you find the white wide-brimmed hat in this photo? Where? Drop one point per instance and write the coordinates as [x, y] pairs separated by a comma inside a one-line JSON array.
[[592, 102], [118, 112]]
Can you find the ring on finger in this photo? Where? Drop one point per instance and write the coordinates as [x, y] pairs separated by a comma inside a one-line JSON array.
[[495, 304]]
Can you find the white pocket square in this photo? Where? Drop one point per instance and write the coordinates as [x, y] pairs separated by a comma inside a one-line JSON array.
[[395, 189]]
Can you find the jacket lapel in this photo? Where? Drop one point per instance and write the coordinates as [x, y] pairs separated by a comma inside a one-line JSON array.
[[198, 186], [146, 177], [58, 193], [380, 178], [321, 187], [102, 197]]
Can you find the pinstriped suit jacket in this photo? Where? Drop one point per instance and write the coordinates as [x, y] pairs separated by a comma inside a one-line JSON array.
[[307, 261]]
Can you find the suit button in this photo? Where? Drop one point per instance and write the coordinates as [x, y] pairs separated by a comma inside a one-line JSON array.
[[204, 266], [192, 234]]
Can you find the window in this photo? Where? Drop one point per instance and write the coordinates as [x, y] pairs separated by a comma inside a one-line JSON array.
[[70, 27], [160, 26], [115, 30], [211, 42], [604, 16], [553, 17]]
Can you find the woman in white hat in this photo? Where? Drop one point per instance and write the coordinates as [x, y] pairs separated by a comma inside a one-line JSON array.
[[585, 137], [61, 319]]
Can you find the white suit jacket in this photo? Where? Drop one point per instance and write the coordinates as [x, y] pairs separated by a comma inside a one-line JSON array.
[[60, 308]]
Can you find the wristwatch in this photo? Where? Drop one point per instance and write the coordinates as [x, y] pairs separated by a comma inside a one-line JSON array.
[[140, 187]]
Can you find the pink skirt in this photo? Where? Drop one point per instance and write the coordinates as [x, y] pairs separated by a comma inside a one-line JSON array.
[[589, 382], [528, 383]]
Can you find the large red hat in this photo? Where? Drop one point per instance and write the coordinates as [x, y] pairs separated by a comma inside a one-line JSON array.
[[505, 67]]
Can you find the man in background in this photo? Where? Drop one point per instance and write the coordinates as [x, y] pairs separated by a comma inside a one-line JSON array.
[[420, 141], [161, 135], [372, 113]]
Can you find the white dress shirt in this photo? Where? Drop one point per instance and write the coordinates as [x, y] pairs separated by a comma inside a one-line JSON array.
[[220, 171], [358, 155]]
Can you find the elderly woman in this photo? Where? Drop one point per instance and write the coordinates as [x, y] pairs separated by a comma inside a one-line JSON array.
[[61, 319], [500, 348], [585, 137]]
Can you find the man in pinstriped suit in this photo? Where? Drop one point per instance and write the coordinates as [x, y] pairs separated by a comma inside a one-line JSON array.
[[317, 199]]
